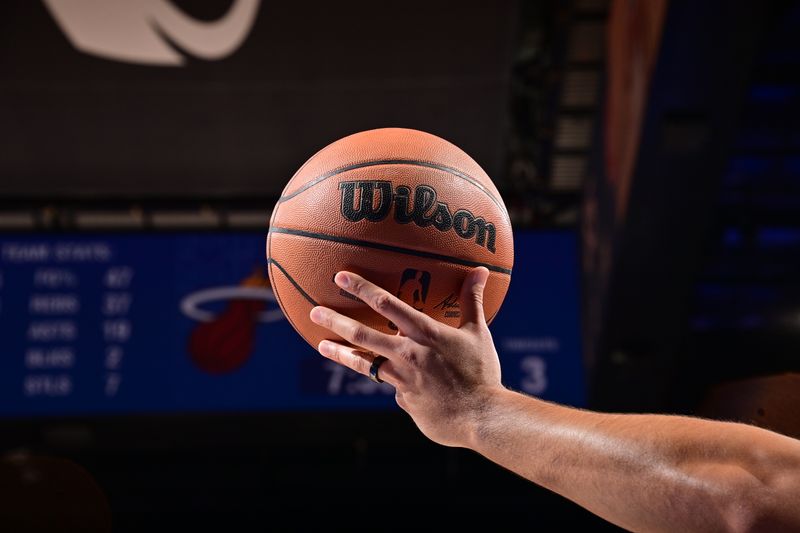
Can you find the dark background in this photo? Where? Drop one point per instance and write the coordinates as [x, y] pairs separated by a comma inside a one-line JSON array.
[[689, 257], [79, 125]]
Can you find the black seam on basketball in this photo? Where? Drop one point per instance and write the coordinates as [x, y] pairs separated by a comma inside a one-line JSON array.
[[389, 248], [270, 263], [293, 282], [386, 162], [280, 303]]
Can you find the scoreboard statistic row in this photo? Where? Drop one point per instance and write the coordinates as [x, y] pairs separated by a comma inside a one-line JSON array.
[[186, 322]]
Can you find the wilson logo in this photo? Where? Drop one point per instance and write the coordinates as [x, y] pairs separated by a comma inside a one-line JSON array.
[[373, 200]]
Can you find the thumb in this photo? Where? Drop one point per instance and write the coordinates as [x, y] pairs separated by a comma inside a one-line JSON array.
[[472, 297]]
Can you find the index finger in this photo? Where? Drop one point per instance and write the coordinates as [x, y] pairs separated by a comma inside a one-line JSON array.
[[414, 324]]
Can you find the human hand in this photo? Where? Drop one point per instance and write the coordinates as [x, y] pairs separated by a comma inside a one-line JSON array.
[[444, 377]]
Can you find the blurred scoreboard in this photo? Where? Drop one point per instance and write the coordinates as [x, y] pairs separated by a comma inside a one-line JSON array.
[[95, 324]]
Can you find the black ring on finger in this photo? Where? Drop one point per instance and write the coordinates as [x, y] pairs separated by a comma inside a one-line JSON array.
[[373, 369]]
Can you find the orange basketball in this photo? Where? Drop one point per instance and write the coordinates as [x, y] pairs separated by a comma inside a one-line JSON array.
[[405, 209]]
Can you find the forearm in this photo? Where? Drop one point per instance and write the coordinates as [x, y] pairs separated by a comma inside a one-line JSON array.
[[643, 472]]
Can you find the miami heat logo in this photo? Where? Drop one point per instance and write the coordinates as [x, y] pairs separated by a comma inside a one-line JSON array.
[[223, 342], [151, 32]]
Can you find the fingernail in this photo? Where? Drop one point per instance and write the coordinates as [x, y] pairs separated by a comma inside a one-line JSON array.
[[316, 315], [325, 348], [342, 280]]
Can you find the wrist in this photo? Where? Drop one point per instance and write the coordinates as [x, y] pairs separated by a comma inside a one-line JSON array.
[[486, 412]]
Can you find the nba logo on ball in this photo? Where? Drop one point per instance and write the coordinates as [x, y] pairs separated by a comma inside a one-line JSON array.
[[404, 209], [413, 289]]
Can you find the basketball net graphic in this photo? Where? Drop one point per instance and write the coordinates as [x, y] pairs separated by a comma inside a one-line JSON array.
[[143, 31]]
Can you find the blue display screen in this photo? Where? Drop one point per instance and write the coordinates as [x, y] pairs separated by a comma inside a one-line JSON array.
[[170, 323]]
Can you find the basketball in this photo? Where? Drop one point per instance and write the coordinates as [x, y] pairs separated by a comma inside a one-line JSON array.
[[406, 210]]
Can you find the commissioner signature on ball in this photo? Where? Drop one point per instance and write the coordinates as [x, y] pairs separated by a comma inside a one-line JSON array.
[[448, 303]]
